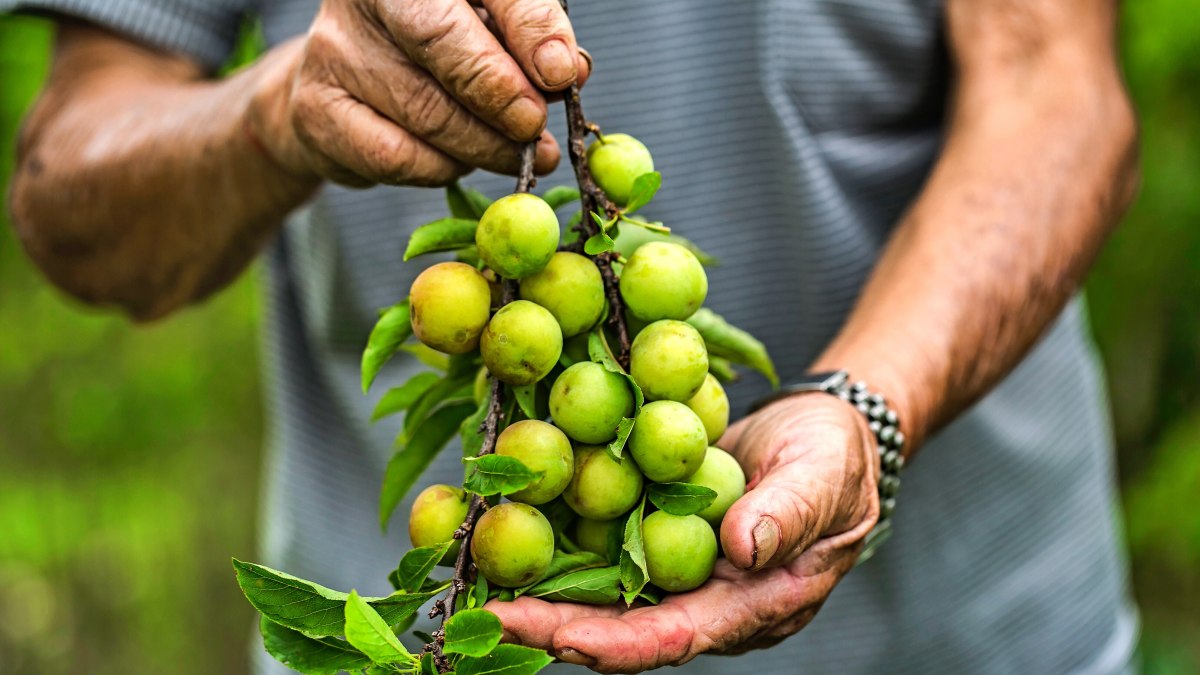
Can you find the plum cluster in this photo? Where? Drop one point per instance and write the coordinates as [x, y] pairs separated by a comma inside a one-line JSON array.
[[678, 409]]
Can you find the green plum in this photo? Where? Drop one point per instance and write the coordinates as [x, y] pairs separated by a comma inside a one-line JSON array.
[[663, 280], [541, 447], [616, 160], [571, 288], [668, 360], [436, 514], [668, 441], [517, 235], [720, 472], [521, 344], [482, 389], [587, 402], [602, 487], [512, 544], [598, 536], [711, 405], [450, 304], [680, 551]]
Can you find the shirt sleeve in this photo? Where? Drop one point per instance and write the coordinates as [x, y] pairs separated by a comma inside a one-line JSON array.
[[204, 30]]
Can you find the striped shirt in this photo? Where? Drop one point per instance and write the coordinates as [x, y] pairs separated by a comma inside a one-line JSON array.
[[791, 135]]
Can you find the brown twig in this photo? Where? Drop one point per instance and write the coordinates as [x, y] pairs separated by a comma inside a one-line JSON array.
[[593, 200], [493, 422]]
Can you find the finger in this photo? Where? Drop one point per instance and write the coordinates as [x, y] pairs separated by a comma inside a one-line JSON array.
[[446, 38], [409, 96], [351, 137], [732, 609], [539, 35], [532, 622], [779, 518]]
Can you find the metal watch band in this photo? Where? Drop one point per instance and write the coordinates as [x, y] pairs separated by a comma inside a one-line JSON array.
[[883, 423]]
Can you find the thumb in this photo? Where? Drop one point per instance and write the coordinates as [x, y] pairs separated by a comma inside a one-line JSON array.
[[776, 520], [539, 36]]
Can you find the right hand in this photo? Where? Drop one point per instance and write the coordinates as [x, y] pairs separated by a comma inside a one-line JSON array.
[[416, 93]]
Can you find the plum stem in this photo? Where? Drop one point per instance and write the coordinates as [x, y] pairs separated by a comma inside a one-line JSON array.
[[493, 421]]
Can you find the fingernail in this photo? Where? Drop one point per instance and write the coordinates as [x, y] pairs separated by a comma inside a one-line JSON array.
[[575, 657], [766, 542], [554, 63], [587, 56]]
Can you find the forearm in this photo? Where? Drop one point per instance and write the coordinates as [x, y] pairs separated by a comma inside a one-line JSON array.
[[1038, 166], [146, 191]]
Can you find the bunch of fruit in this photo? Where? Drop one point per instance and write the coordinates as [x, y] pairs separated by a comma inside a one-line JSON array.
[[680, 412]]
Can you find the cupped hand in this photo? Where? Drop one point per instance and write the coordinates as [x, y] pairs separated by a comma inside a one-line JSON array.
[[416, 93], [811, 500]]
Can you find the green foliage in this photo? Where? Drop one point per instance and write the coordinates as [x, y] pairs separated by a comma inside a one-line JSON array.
[[416, 565], [590, 586], [498, 475], [680, 499], [505, 660], [310, 656], [634, 574], [729, 342], [645, 187], [414, 456], [392, 329], [446, 234], [561, 195], [366, 630], [473, 632]]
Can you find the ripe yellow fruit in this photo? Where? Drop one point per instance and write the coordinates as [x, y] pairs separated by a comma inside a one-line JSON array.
[[436, 514], [711, 405], [668, 441], [668, 360], [450, 303], [521, 344], [517, 235], [512, 544]]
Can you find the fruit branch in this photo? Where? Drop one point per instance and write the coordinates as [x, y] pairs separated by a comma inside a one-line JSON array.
[[594, 200], [464, 567]]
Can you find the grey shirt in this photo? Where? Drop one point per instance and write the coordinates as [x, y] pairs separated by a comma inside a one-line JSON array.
[[791, 135]]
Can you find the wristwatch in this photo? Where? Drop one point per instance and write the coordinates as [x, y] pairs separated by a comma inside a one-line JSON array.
[[884, 424]]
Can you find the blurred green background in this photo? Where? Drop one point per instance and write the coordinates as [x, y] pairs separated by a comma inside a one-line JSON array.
[[129, 457]]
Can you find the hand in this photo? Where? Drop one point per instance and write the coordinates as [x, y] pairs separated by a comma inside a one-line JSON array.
[[415, 93], [811, 464]]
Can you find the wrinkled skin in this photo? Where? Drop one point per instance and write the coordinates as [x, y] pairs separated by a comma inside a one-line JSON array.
[[450, 305], [513, 544], [812, 499]]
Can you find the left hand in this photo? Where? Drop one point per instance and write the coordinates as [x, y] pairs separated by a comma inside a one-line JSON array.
[[811, 500]]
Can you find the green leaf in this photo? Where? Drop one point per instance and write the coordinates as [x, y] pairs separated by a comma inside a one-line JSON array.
[[400, 398], [309, 656], [653, 226], [416, 565], [427, 665], [561, 195], [595, 586], [392, 329], [563, 563], [644, 188], [527, 399], [651, 594], [616, 446], [598, 243], [680, 499], [472, 632], [427, 355], [505, 660], [367, 631], [721, 369], [446, 234], [497, 474], [730, 342], [443, 391], [308, 607], [411, 460], [634, 574], [479, 592], [466, 202]]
